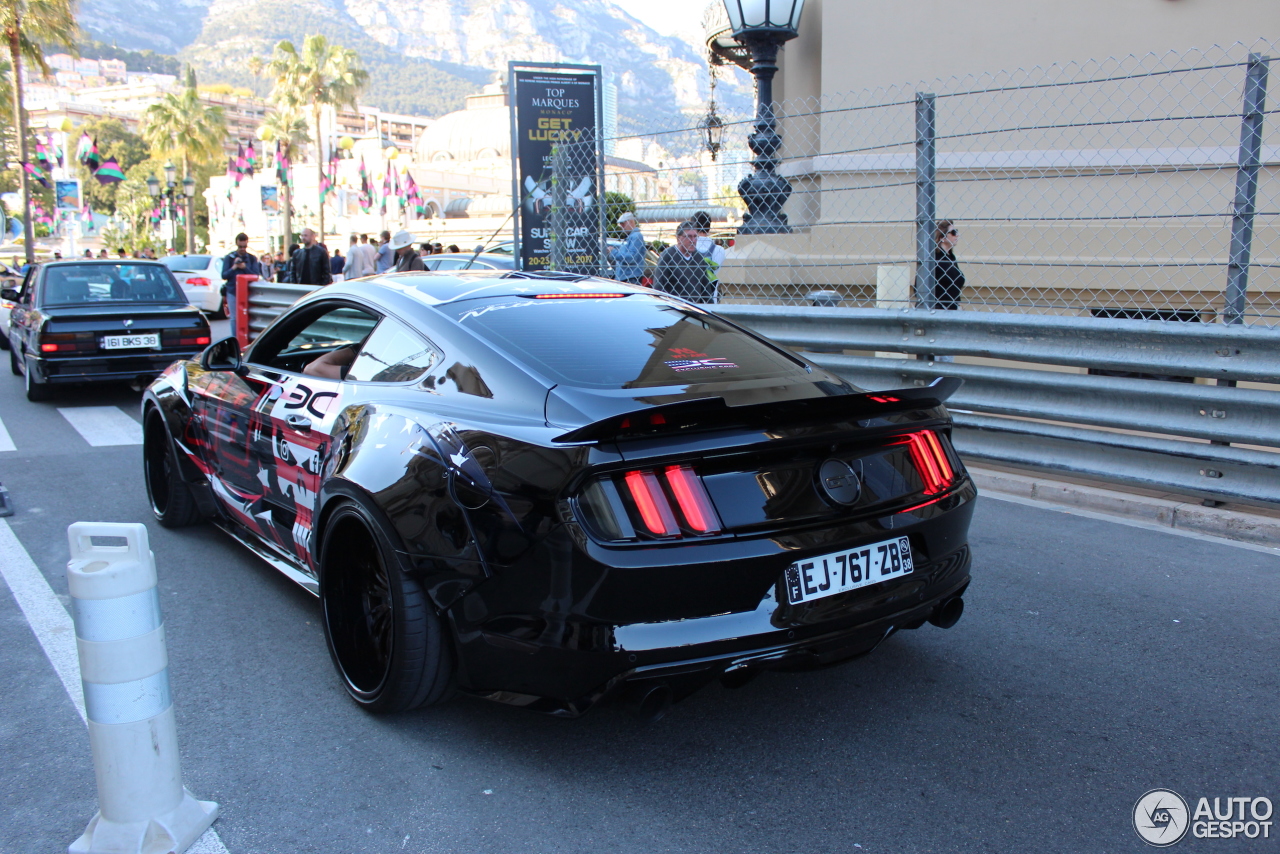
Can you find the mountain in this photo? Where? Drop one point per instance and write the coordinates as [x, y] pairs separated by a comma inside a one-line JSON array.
[[424, 56]]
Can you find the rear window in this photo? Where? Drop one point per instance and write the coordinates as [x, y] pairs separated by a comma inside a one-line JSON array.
[[636, 341], [187, 263], [75, 284]]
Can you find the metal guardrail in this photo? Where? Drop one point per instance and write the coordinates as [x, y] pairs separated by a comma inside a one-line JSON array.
[[268, 299], [1045, 418]]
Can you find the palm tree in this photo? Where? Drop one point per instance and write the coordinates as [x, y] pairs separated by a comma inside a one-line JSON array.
[[184, 126], [256, 65], [323, 74], [287, 127], [27, 25]]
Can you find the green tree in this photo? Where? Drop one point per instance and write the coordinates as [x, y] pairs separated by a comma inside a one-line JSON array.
[[323, 74], [185, 127], [287, 127], [27, 26], [130, 228], [615, 205], [114, 140]]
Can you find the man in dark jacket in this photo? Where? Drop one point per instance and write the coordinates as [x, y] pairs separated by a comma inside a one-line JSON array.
[[238, 263], [682, 269], [310, 264]]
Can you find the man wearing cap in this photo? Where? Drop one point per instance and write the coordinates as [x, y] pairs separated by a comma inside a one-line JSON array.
[[407, 259], [628, 259]]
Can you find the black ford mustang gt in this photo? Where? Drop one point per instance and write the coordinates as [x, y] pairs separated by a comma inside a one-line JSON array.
[[546, 490]]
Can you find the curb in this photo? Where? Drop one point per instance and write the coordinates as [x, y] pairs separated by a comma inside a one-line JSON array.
[[1227, 523]]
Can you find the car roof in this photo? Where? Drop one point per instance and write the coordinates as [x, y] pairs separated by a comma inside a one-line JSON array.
[[115, 262], [440, 288]]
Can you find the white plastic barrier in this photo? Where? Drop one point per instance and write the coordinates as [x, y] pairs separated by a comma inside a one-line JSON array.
[[143, 807]]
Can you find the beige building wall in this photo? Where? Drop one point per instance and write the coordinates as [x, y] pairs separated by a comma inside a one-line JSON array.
[[860, 44], [1152, 248]]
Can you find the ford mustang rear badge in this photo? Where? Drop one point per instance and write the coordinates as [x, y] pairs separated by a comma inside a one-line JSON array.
[[839, 482]]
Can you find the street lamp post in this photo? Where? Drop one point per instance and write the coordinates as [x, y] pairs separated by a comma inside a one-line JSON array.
[[170, 194], [189, 192], [761, 26], [153, 188]]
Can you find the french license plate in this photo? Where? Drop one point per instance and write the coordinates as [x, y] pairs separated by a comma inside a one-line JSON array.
[[827, 575], [126, 342]]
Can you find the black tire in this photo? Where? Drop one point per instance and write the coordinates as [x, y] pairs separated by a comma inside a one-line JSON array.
[[389, 646], [36, 390], [224, 310], [13, 363], [170, 497]]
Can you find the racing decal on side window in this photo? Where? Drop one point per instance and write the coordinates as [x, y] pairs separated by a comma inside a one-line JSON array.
[[686, 359]]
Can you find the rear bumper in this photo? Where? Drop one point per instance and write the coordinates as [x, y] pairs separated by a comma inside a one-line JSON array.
[[98, 369], [686, 654]]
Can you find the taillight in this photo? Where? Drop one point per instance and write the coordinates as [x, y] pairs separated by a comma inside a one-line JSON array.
[[198, 282], [930, 460], [668, 502], [67, 342], [185, 338]]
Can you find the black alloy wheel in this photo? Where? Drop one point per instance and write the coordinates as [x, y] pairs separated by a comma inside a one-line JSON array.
[[385, 639], [170, 497], [36, 390]]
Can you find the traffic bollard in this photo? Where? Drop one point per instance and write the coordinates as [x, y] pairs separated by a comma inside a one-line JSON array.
[[143, 808]]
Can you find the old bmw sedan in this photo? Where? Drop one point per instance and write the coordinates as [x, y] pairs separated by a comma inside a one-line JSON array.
[[95, 321], [548, 490]]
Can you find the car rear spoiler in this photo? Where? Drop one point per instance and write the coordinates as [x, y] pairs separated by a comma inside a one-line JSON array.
[[713, 412]]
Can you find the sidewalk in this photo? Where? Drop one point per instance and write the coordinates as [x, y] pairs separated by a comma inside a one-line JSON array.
[[1247, 524]]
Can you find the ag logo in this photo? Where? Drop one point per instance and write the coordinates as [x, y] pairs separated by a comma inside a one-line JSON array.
[[1160, 817]]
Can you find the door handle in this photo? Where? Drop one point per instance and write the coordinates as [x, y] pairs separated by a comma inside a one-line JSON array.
[[301, 423]]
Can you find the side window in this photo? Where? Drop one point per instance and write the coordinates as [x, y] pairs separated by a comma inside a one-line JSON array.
[[28, 295], [394, 353], [311, 334]]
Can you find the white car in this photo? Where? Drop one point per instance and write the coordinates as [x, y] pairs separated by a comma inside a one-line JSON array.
[[201, 279]]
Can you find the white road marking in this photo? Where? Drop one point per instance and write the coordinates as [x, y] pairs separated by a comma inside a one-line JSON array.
[[56, 632], [103, 425], [6, 443]]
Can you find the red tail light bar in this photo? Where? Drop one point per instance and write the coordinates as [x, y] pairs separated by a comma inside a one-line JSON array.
[[930, 460], [667, 502]]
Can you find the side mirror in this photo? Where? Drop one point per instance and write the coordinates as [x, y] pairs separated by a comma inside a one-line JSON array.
[[11, 294], [222, 355]]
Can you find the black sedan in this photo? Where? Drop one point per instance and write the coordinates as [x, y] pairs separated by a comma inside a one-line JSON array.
[[547, 490], [94, 321]]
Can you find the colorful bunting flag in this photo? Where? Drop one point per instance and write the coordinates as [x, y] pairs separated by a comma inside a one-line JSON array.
[[83, 149], [109, 172], [250, 160], [42, 157], [366, 192], [93, 159], [36, 172]]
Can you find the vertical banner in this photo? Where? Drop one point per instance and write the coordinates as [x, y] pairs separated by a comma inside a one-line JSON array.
[[557, 166], [67, 195]]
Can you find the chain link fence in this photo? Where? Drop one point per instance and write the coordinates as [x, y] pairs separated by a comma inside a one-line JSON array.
[[1145, 187]]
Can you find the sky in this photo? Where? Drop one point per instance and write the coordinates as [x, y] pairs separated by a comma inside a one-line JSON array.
[[666, 16]]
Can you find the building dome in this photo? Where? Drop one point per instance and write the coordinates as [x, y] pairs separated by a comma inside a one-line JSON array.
[[480, 132]]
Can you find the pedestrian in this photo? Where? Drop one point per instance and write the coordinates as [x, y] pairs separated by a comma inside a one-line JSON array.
[[361, 258], [336, 265], [237, 263], [102, 255], [682, 269], [309, 265], [948, 280], [628, 259], [386, 255], [268, 266], [406, 259], [453, 247], [120, 254], [437, 249], [57, 256], [710, 248], [88, 253], [424, 249]]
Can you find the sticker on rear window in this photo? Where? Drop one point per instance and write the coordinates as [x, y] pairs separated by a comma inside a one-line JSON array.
[[692, 360]]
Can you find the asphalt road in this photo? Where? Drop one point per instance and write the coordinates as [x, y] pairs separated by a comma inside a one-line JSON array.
[[1095, 661]]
